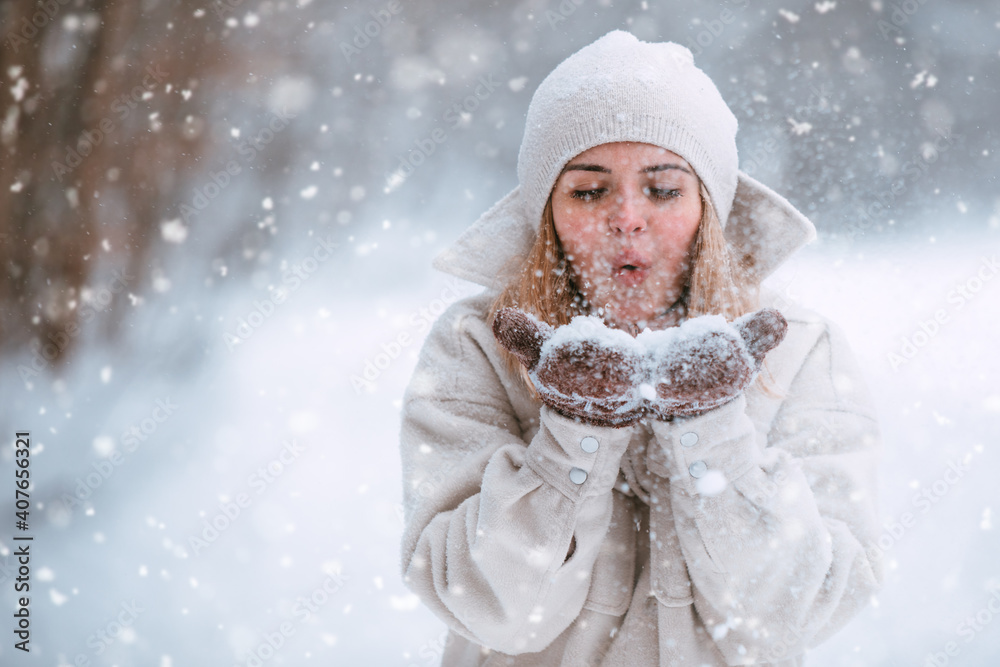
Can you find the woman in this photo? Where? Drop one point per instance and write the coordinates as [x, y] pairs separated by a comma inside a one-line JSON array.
[[573, 497]]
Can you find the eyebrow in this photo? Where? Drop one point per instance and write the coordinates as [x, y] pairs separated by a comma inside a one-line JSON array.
[[597, 167]]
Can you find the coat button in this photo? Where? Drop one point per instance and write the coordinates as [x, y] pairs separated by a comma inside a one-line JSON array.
[[578, 475], [589, 444], [689, 439], [697, 469]]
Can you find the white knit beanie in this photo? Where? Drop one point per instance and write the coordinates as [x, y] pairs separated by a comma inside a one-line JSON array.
[[621, 89]]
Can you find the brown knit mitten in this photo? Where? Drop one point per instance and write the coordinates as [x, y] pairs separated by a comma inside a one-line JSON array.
[[581, 370], [706, 361]]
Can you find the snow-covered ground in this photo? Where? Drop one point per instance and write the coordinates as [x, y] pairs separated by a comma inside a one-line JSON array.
[[299, 472]]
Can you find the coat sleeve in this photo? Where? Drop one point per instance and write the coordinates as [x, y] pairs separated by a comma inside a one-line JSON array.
[[774, 529], [500, 539]]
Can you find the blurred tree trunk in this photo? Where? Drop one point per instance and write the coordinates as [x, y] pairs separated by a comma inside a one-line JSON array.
[[97, 120]]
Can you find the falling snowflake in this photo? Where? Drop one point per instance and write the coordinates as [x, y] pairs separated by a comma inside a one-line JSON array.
[[939, 418], [104, 445], [173, 231], [922, 77], [712, 483], [791, 17], [800, 128]]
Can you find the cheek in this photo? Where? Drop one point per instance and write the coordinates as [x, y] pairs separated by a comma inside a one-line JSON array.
[[688, 222], [579, 233], [678, 233]]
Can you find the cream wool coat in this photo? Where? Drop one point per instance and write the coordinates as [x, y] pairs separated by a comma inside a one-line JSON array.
[[642, 564]]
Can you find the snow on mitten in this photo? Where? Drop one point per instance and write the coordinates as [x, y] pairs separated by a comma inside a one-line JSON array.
[[706, 362], [581, 370]]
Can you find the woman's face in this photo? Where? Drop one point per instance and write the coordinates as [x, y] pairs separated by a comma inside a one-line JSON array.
[[627, 215]]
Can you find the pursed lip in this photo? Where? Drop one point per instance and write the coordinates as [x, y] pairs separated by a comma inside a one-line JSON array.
[[629, 258]]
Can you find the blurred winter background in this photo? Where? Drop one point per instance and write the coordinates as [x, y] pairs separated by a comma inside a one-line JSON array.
[[216, 227]]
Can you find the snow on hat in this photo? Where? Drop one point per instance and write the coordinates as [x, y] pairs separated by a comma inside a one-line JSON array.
[[621, 89]]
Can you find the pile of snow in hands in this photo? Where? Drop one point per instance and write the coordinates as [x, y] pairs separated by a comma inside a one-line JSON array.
[[654, 349]]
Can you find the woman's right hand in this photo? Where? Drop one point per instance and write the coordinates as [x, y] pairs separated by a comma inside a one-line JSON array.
[[586, 372]]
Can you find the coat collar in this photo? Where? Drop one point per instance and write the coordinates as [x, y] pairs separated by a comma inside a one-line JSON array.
[[763, 229]]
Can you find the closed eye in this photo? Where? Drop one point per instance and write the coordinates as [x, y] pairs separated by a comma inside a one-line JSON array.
[[588, 195], [658, 193], [664, 194]]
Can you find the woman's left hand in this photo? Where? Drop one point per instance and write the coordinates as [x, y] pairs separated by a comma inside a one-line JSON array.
[[707, 367]]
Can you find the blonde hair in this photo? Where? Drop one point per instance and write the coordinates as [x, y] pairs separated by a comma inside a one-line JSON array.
[[543, 285]]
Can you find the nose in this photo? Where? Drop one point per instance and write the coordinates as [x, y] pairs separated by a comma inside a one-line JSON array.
[[627, 215]]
